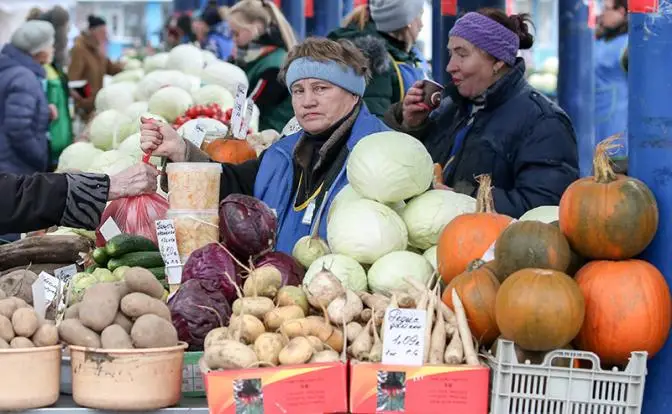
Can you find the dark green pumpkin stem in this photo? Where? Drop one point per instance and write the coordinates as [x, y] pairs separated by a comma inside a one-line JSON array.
[[602, 169]]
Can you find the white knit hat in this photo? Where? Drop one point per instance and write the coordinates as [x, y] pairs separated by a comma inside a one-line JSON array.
[[392, 15], [33, 36]]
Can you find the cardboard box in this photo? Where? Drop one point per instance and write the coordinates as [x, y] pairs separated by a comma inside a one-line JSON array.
[[309, 388], [378, 388], [192, 379]]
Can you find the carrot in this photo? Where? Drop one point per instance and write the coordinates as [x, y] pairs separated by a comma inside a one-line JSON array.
[[465, 333], [454, 353], [438, 339]]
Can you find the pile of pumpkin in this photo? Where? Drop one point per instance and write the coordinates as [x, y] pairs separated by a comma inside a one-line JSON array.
[[573, 279]]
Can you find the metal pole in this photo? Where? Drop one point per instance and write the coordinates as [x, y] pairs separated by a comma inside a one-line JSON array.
[[294, 11], [328, 14], [444, 15], [576, 77], [649, 121], [348, 5]]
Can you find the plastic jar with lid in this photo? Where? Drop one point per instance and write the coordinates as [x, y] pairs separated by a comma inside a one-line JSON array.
[[193, 185], [194, 229]]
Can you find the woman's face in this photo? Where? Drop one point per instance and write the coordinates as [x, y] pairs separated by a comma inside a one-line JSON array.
[[243, 33], [199, 28], [415, 27], [44, 56], [473, 71], [319, 104], [612, 17]]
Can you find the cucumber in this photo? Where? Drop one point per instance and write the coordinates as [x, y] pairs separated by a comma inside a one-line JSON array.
[[128, 243], [147, 260], [158, 272], [100, 256]]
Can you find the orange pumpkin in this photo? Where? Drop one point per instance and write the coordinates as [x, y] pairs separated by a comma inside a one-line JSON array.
[[539, 309], [469, 236], [608, 216], [477, 288], [628, 308], [230, 150]]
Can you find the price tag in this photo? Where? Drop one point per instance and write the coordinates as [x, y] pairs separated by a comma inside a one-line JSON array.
[[249, 110], [489, 254], [404, 337], [165, 234], [65, 273], [39, 301], [109, 229], [198, 135], [45, 289], [238, 109]]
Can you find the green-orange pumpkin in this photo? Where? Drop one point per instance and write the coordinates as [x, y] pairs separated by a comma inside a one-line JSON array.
[[628, 308], [539, 309], [608, 216]]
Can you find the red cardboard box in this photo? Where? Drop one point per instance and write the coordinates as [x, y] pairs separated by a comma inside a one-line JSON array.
[[310, 388], [378, 388]]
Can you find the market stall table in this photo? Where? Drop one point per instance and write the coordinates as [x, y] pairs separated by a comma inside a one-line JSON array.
[[66, 405]]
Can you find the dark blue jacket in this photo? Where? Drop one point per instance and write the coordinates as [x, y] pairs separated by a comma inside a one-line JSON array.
[[219, 42], [519, 137], [24, 114], [275, 178]]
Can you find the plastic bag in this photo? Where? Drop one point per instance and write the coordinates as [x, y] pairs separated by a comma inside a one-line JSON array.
[[135, 215]]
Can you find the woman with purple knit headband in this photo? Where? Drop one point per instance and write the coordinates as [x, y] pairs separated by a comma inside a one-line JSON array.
[[490, 120]]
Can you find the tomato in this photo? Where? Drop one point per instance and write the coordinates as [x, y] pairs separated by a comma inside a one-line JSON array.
[[181, 120], [228, 113], [199, 109], [209, 112], [192, 112]]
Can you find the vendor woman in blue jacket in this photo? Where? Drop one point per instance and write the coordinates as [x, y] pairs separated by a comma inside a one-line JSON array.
[[299, 175]]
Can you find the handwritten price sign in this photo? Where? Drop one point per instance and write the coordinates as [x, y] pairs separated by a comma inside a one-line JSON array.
[[238, 110], [404, 337], [165, 234]]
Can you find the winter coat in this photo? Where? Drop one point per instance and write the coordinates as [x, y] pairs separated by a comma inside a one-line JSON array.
[[60, 129], [24, 114], [518, 136], [219, 42]]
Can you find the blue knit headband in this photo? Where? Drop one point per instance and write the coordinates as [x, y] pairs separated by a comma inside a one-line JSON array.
[[330, 71], [488, 35]]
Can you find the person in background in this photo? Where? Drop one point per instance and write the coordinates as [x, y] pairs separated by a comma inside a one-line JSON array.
[[611, 82], [263, 36], [299, 175], [184, 24], [212, 32], [89, 62], [387, 32], [491, 121]]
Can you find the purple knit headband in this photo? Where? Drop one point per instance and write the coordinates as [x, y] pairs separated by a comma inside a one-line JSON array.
[[488, 35]]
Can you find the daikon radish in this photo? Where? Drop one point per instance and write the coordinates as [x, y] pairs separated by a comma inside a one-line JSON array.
[[454, 353], [438, 340], [376, 353]]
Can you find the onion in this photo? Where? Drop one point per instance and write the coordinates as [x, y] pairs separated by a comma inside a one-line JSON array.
[[308, 249], [247, 226], [292, 273]]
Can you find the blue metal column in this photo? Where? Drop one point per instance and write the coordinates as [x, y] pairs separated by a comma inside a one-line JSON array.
[[153, 22], [650, 152], [328, 15], [348, 5], [576, 77], [294, 11]]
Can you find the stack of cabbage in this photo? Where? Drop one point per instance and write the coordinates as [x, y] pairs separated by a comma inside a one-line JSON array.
[[386, 218], [163, 87]]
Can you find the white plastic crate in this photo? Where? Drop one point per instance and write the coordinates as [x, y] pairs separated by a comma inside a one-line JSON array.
[[523, 388]]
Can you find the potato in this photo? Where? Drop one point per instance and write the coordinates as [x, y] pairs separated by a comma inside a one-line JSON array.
[[230, 355], [19, 283], [21, 342], [115, 337], [74, 333], [46, 335], [142, 280], [328, 355], [3, 344], [122, 288], [6, 329], [251, 328], [275, 318], [123, 321], [25, 322], [215, 336], [256, 306], [137, 304], [2, 294], [152, 331], [99, 306], [20, 303], [267, 347], [72, 312], [7, 307]]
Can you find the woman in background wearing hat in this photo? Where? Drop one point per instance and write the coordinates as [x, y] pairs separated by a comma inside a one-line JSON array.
[[212, 31], [89, 62], [491, 121], [299, 175], [386, 31]]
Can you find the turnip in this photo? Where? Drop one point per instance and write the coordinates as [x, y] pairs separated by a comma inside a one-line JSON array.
[[275, 318], [361, 346], [323, 288], [267, 347], [292, 295], [246, 327], [216, 337], [256, 306], [315, 342], [230, 355], [308, 249], [345, 308], [327, 355], [353, 329], [314, 326], [263, 281], [298, 351], [376, 352]]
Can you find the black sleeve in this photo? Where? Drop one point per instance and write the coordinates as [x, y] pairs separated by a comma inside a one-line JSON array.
[[239, 178], [269, 90]]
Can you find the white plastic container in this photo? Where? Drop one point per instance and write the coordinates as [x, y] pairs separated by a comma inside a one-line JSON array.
[[194, 229], [193, 185]]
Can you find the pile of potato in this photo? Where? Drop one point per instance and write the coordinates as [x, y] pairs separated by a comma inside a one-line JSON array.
[[21, 327], [121, 315]]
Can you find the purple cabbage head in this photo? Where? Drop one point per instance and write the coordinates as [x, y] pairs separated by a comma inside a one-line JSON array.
[[247, 226], [292, 272], [211, 264]]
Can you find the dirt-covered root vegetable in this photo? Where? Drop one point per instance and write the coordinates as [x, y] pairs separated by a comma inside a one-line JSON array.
[[20, 303], [470, 355], [115, 337], [454, 353], [361, 346], [374, 301], [365, 316], [4, 344], [275, 318], [246, 328], [7, 307], [136, 304], [25, 322], [216, 336], [45, 335], [352, 330], [99, 306], [328, 355], [267, 347], [292, 295], [72, 312], [297, 351], [314, 326], [437, 344], [308, 249], [6, 329], [345, 308], [404, 299], [323, 288], [142, 280], [230, 355], [2, 294], [376, 353], [255, 306], [152, 331], [315, 343], [263, 281], [21, 342], [74, 333], [123, 321], [122, 288]]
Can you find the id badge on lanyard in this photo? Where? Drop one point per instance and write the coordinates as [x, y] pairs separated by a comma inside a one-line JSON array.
[[309, 213]]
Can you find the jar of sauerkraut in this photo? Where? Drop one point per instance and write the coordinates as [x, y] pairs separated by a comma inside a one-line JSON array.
[[193, 230], [193, 185]]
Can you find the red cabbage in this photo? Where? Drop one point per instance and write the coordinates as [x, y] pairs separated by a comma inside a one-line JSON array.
[[292, 272], [211, 264], [193, 308], [247, 226]]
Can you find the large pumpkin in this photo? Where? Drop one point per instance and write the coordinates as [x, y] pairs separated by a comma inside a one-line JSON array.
[[467, 237], [608, 216], [531, 244], [230, 150], [477, 288], [628, 308], [539, 309]]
